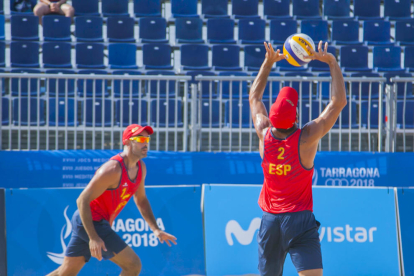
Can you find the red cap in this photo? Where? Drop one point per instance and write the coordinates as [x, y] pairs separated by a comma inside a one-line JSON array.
[[134, 130], [283, 112]]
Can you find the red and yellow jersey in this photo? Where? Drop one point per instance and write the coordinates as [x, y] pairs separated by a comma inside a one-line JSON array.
[[287, 184], [109, 204]]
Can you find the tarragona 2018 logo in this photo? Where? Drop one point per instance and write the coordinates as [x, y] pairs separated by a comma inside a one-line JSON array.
[[64, 234]]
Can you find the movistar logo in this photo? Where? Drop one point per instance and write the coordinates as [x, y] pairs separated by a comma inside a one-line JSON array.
[[243, 237], [67, 229]]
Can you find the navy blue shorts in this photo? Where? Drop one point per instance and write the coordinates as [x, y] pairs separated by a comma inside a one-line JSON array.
[[79, 242], [296, 233]]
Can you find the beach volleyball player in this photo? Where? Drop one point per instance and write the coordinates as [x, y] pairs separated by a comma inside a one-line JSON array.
[[113, 185], [288, 223]]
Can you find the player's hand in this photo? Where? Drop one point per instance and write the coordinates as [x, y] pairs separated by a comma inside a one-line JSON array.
[[321, 55], [165, 237], [271, 55], [96, 246]]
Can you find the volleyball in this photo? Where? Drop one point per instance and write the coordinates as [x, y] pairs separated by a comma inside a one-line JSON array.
[[295, 48]]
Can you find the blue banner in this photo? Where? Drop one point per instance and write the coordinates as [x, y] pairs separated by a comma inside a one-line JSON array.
[[406, 207], [3, 250], [358, 230], [38, 231]]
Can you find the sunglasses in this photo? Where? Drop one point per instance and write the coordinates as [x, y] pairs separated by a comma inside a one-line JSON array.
[[140, 139]]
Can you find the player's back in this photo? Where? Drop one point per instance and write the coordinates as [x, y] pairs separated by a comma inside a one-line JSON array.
[[287, 183]]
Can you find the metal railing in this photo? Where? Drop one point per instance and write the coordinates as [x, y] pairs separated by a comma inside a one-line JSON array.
[[62, 111]]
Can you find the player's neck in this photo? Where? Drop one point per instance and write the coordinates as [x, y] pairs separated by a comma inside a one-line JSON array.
[[282, 135], [130, 161]]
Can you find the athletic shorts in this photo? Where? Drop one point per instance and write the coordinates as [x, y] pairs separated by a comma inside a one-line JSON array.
[[296, 233], [79, 242]]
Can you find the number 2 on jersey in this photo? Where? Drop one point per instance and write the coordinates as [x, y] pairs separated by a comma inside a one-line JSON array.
[[280, 156]]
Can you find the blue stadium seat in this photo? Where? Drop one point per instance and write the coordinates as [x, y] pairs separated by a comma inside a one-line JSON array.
[[323, 87], [123, 88], [214, 8], [184, 8], [254, 57], [252, 31], [51, 87], [2, 54], [159, 114], [276, 9], [86, 8], [373, 114], [283, 65], [96, 113], [152, 30], [316, 29], [24, 54], [226, 57], [88, 29], [65, 111], [2, 36], [336, 9], [5, 119], [115, 8], [397, 9], [405, 118], [239, 112], [245, 9], [57, 55], [409, 58], [306, 85], [306, 9], [402, 87], [165, 87], [56, 28], [235, 87], [205, 85], [188, 30], [220, 30], [387, 58], [24, 27], [131, 107], [280, 29], [90, 55], [194, 57], [354, 58], [345, 32], [311, 108], [316, 65], [404, 33], [122, 56], [120, 29], [21, 108], [344, 117], [367, 9], [147, 8], [210, 115], [2, 7], [15, 3], [377, 33], [275, 86], [22, 87], [101, 86], [157, 56], [365, 86]]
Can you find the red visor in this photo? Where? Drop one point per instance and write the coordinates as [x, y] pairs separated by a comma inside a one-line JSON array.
[[134, 130], [283, 112]]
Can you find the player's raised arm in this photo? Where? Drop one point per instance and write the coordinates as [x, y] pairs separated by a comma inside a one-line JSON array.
[[316, 129]]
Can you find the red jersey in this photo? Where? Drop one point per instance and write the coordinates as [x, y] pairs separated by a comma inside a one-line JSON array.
[[287, 184], [109, 204]]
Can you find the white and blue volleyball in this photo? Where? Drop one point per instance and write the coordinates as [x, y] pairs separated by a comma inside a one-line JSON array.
[[295, 48]]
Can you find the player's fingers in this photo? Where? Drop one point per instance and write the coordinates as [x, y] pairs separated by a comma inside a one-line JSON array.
[[310, 50], [104, 247], [167, 241], [271, 48], [174, 240], [267, 48], [320, 46], [326, 48]]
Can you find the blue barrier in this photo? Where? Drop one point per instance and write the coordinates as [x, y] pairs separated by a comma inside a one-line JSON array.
[[358, 231], [40, 169], [3, 251], [38, 230], [406, 207]]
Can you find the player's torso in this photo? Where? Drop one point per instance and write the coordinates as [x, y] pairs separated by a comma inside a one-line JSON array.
[[108, 205]]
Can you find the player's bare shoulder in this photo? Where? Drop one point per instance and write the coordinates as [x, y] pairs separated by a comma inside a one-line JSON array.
[[262, 123], [110, 172]]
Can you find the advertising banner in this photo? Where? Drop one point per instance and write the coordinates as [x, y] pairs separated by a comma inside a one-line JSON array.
[[406, 207], [358, 230], [39, 229], [47, 169]]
